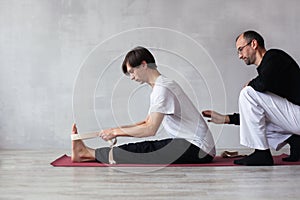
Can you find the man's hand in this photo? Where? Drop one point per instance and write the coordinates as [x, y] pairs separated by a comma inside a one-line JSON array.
[[108, 134], [215, 117]]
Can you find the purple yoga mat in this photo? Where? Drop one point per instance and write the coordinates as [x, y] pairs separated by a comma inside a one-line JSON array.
[[65, 161]]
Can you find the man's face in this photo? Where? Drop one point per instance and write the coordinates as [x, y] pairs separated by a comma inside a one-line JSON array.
[[245, 50], [136, 73]]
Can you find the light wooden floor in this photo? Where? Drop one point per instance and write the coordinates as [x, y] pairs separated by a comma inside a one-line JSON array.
[[28, 175]]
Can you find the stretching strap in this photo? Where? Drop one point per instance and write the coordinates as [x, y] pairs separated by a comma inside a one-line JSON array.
[[85, 136]]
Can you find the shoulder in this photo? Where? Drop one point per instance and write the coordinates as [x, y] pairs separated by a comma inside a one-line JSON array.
[[276, 57], [272, 53], [163, 82], [165, 87], [278, 60]]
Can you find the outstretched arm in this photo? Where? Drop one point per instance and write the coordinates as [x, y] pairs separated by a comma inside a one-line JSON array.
[[146, 128], [216, 117]]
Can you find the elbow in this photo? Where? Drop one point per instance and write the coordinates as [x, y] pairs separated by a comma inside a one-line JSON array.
[[151, 131]]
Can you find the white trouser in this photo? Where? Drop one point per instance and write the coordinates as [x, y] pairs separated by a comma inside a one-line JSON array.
[[266, 120]]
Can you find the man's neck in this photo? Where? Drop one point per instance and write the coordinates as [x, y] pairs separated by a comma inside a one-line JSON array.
[[259, 56], [152, 77]]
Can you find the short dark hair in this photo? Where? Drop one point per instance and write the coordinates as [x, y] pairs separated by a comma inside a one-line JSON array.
[[136, 56], [251, 35]]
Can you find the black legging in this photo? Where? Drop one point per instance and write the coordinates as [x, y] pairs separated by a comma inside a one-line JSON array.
[[167, 151]]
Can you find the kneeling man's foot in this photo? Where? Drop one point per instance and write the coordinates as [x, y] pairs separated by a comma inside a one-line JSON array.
[[258, 158], [294, 142], [80, 153]]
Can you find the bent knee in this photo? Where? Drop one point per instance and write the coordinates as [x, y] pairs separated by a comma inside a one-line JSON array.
[[246, 91], [247, 94]]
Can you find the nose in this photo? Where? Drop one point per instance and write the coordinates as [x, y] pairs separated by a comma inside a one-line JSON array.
[[240, 56]]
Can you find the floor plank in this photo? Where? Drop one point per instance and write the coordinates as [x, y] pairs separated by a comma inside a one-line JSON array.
[[29, 175]]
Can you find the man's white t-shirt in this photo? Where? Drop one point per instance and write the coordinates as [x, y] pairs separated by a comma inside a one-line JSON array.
[[182, 119]]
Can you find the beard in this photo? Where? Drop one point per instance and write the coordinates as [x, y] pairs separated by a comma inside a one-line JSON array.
[[247, 61]]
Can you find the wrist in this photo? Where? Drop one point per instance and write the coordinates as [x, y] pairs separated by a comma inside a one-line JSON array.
[[114, 132], [227, 119]]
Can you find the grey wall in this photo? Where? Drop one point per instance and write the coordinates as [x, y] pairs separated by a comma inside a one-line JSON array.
[[60, 61]]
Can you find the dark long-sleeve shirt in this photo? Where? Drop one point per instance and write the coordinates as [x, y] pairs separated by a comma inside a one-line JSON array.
[[277, 73], [280, 74], [234, 119]]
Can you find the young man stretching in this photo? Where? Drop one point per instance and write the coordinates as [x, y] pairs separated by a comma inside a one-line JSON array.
[[190, 140]]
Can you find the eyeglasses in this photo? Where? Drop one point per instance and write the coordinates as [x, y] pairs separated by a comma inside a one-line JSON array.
[[240, 49]]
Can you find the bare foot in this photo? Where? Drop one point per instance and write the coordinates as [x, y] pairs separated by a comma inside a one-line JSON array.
[[81, 153]]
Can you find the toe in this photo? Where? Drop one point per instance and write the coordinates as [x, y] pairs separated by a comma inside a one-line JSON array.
[[74, 129]]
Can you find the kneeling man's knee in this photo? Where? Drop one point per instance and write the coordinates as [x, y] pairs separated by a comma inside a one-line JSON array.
[[246, 93]]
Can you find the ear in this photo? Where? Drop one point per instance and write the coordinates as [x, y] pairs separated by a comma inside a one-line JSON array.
[[144, 64], [254, 44]]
